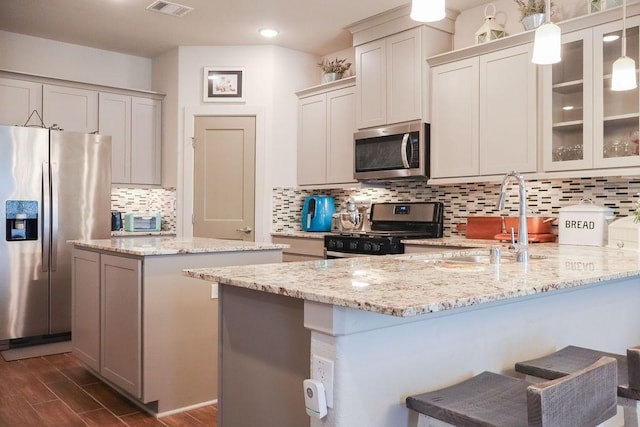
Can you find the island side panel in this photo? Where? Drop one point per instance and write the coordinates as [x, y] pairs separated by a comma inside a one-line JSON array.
[[264, 357], [376, 369], [181, 327]]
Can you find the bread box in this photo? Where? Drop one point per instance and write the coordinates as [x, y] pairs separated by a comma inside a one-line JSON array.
[[584, 224], [624, 233]]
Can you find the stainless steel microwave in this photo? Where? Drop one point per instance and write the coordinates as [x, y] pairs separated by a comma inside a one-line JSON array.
[[395, 151]]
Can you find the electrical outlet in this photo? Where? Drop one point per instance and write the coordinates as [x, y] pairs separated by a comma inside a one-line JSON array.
[[323, 372], [214, 290]]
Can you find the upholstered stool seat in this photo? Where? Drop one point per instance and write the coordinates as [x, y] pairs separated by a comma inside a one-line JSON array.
[[584, 398], [571, 359]]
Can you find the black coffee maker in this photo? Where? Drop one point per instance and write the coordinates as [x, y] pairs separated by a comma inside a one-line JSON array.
[[116, 221]]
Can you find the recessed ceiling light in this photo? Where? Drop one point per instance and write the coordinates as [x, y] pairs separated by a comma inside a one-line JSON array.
[[268, 32], [610, 38]]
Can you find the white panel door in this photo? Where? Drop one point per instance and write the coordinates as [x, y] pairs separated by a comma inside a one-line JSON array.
[[72, 109], [454, 124], [508, 111], [19, 98]]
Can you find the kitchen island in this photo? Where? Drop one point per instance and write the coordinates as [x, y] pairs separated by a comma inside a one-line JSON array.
[[400, 325], [143, 327]]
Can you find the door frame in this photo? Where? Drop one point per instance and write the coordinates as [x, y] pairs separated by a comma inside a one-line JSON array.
[[185, 187]]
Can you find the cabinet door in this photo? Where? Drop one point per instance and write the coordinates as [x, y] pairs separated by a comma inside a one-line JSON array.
[[341, 123], [115, 120], [508, 111], [19, 99], [567, 99], [454, 119], [72, 109], [371, 84], [146, 141], [616, 118], [86, 307], [312, 137], [121, 337], [404, 76]]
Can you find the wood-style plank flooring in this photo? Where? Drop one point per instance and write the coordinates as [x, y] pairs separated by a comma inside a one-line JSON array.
[[57, 390]]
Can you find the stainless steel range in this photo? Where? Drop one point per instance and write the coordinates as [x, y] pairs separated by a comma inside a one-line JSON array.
[[390, 224]]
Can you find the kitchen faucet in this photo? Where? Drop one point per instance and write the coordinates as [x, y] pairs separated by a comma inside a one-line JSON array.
[[522, 245]]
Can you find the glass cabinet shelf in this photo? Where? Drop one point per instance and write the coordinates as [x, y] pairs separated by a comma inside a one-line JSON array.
[[574, 86], [572, 126]]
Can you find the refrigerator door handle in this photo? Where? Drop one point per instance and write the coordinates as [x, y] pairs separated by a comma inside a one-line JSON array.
[[54, 215], [46, 217]]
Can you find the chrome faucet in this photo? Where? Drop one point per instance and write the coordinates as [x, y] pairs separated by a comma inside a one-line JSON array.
[[522, 245]]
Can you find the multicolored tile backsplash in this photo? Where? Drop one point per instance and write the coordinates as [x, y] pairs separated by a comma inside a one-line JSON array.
[[144, 200], [462, 200]]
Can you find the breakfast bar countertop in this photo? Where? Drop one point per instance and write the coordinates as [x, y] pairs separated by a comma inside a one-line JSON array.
[[415, 284], [146, 246]]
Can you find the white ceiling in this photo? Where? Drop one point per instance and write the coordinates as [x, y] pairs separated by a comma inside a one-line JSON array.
[[126, 26]]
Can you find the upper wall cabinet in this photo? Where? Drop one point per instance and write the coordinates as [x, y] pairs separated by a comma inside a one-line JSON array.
[[484, 114], [390, 74], [326, 122], [587, 125], [19, 99], [134, 124], [70, 108]]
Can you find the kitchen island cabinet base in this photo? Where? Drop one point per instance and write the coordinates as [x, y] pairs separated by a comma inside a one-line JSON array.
[[176, 326]]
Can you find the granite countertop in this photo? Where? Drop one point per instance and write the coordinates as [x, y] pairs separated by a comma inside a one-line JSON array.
[[122, 233], [145, 246], [415, 284]]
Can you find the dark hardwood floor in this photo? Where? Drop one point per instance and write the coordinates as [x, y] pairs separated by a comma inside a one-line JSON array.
[[57, 390]]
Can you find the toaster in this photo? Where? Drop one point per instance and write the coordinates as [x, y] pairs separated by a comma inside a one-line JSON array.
[[142, 222], [317, 212]]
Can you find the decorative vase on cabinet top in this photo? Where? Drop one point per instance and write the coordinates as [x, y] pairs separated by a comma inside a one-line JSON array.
[[330, 77], [531, 22]]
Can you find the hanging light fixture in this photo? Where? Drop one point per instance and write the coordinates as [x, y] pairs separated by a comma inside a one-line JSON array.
[[548, 41], [427, 10], [623, 73]]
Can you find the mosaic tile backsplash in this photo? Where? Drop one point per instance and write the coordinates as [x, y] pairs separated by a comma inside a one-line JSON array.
[[544, 197], [143, 200]]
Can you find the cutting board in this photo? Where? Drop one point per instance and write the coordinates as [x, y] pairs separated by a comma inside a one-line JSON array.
[[533, 238]]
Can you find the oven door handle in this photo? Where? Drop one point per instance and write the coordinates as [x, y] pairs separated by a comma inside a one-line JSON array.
[[403, 150]]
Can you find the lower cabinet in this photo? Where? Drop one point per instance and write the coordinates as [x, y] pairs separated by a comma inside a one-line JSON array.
[[301, 248], [107, 317]]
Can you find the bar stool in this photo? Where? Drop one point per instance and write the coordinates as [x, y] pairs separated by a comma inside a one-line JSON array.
[[585, 398], [572, 358]]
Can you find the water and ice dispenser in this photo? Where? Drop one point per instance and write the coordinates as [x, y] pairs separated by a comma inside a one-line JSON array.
[[21, 220]]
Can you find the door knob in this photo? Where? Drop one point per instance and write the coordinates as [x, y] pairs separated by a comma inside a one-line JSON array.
[[245, 229]]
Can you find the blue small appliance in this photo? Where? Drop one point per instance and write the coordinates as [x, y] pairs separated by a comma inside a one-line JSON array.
[[317, 212]]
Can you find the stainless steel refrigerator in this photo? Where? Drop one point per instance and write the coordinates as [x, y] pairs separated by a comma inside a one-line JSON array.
[[54, 187]]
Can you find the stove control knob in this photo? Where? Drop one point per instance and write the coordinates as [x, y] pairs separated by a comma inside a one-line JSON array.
[[353, 245], [375, 247], [331, 244], [339, 244], [367, 246]]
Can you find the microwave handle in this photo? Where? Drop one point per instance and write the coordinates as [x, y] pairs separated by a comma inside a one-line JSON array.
[[403, 149]]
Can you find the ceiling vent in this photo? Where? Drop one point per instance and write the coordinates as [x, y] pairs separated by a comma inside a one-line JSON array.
[[169, 8]]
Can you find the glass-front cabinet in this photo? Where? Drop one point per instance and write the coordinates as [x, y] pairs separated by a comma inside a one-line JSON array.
[[616, 127], [586, 124]]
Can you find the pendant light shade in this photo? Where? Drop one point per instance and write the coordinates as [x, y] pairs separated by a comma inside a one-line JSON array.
[[548, 41], [623, 72], [427, 10], [547, 44]]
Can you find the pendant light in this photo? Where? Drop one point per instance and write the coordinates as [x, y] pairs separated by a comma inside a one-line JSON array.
[[427, 10], [548, 41], [623, 73]]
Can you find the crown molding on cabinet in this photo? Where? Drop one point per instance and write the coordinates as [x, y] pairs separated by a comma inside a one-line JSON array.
[[336, 84]]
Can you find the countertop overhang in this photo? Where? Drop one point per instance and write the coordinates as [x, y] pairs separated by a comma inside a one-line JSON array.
[[412, 285], [148, 246]]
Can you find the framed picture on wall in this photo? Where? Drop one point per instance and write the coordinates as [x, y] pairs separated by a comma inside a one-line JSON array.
[[223, 84]]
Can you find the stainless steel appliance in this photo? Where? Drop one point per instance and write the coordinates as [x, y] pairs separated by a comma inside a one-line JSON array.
[[54, 187], [391, 223], [392, 152]]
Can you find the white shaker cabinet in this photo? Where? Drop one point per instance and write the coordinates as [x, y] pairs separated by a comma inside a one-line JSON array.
[[326, 122], [134, 124], [484, 115], [389, 85], [19, 98], [70, 108]]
